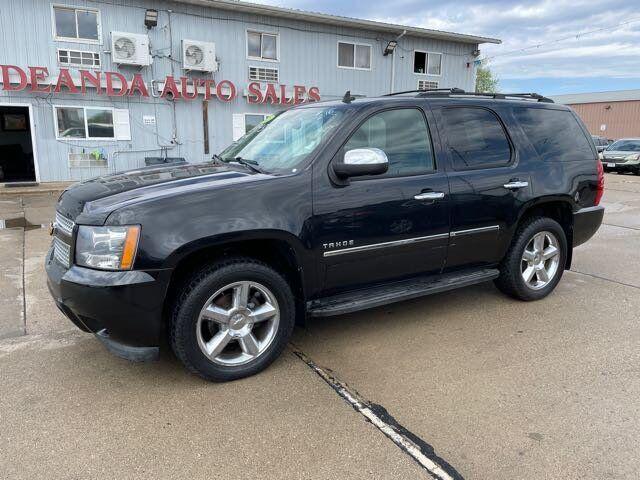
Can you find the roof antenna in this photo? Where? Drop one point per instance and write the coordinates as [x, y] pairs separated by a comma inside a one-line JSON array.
[[348, 98]]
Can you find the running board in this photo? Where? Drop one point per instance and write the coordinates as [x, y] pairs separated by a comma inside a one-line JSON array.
[[396, 292]]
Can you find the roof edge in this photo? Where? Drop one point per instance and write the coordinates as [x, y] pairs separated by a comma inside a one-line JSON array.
[[327, 19], [598, 97]]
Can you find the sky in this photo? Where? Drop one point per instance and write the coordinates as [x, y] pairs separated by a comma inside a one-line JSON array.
[[578, 46]]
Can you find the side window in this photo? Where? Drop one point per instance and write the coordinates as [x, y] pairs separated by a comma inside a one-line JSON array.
[[554, 134], [402, 135], [475, 138]]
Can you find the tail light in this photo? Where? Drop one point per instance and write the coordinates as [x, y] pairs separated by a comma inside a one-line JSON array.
[[600, 188]]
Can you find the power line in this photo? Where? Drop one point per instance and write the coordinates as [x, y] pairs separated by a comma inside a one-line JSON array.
[[558, 40]]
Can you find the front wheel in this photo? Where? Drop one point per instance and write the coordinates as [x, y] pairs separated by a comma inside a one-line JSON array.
[[232, 320], [535, 261]]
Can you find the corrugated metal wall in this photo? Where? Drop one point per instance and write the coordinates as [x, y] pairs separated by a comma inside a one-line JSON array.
[[621, 119], [308, 56]]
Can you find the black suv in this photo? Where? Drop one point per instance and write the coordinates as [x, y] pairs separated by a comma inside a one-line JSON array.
[[327, 208]]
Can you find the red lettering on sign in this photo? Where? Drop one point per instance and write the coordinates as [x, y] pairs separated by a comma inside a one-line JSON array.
[[231, 87], [170, 87], [138, 85], [65, 80], [207, 84], [314, 94], [123, 84], [255, 95], [283, 95], [184, 83], [270, 95], [37, 75], [91, 78], [298, 92], [6, 82]]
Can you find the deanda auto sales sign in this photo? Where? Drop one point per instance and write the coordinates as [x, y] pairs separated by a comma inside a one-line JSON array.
[[114, 84]]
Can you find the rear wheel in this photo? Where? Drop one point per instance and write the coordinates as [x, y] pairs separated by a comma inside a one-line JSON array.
[[232, 320], [535, 261]]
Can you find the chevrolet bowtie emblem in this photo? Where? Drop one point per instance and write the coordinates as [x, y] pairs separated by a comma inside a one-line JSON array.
[[52, 229]]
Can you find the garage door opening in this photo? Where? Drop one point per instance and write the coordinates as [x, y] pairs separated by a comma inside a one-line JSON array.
[[16, 146]]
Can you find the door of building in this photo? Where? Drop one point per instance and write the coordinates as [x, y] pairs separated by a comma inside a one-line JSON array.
[[16, 145]]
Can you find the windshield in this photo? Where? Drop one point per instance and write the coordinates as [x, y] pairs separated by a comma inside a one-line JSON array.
[[625, 146], [282, 143]]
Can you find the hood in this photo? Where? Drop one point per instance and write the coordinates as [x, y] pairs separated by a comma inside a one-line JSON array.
[[617, 154], [100, 196]]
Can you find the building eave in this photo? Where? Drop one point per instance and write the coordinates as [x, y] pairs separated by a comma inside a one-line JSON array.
[[597, 97], [326, 19]]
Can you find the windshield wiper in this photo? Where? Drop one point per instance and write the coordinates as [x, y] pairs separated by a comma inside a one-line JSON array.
[[250, 164]]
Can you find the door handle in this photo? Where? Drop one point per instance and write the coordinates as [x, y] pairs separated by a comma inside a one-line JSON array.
[[429, 196], [515, 185]]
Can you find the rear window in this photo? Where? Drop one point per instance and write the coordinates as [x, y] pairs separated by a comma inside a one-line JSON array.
[[555, 134]]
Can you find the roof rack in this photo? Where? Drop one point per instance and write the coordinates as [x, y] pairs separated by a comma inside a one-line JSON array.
[[422, 90], [448, 92]]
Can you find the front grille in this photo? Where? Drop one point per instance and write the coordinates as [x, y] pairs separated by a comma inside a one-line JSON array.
[[64, 224], [62, 252]]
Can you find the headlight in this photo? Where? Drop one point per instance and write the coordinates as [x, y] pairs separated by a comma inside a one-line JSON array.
[[634, 156], [107, 248]]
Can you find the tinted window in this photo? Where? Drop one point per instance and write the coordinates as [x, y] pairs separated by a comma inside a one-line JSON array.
[[555, 134], [402, 135], [476, 138]]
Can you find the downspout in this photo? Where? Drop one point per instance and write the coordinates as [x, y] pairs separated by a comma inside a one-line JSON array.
[[393, 64]]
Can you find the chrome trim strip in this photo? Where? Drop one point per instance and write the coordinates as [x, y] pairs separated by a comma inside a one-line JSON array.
[[376, 246], [471, 231]]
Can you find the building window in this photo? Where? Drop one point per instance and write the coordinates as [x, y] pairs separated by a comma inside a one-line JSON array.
[[252, 120], [77, 58], [427, 63], [427, 85], [354, 55], [76, 24], [262, 46], [86, 123], [261, 74]]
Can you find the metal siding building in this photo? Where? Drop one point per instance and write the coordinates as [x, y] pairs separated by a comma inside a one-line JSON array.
[[613, 115], [307, 46]]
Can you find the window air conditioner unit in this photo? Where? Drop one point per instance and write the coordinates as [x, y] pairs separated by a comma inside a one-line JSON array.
[[130, 49], [200, 56]]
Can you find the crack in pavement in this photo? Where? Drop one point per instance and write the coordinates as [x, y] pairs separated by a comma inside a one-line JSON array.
[[620, 226], [605, 279], [414, 446]]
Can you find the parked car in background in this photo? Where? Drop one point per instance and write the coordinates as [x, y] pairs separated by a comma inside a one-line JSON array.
[[327, 209], [600, 142], [622, 156]]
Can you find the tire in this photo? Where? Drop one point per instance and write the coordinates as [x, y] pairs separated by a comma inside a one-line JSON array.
[[203, 319], [514, 267]]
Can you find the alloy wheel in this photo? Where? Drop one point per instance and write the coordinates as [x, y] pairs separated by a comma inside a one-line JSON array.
[[540, 260], [238, 323]]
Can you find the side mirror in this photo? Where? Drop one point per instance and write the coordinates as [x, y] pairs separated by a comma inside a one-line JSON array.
[[362, 161]]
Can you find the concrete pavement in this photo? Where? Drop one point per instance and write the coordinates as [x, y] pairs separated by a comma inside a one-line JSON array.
[[501, 389]]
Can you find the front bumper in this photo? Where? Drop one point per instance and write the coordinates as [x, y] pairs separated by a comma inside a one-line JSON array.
[[586, 222], [612, 166], [124, 309]]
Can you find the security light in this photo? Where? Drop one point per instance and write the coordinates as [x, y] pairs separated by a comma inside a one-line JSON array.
[[151, 18], [391, 46]]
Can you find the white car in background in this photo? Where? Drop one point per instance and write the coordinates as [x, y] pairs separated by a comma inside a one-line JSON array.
[[622, 156]]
